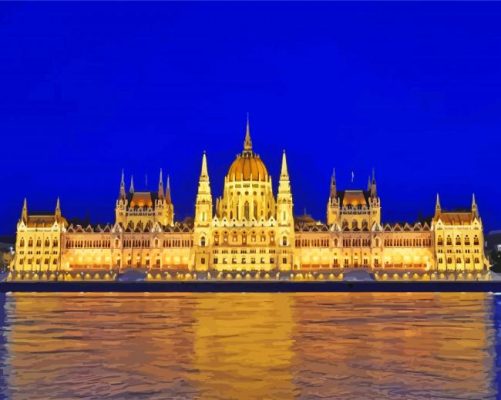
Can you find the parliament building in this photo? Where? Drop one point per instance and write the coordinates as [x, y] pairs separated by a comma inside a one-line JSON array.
[[249, 232]]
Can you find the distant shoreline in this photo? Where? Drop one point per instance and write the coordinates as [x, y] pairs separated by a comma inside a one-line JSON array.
[[251, 287]]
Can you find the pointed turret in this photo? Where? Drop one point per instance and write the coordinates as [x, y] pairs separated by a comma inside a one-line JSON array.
[[168, 197], [122, 186], [284, 173], [24, 213], [333, 188], [203, 203], [204, 172], [131, 187], [373, 184], [284, 197], [161, 194], [438, 209], [474, 207], [248, 140], [58, 209]]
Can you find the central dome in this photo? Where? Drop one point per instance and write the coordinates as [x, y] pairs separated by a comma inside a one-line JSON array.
[[248, 165]]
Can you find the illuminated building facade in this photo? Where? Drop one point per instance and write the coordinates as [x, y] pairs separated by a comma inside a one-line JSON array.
[[250, 232]]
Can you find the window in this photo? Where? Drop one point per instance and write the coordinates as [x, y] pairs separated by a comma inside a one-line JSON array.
[[475, 240], [284, 241], [440, 241], [246, 210], [449, 241], [458, 241], [284, 260], [202, 241]]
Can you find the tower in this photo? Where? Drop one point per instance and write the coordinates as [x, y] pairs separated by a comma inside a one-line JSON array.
[[122, 201], [24, 212], [164, 209], [203, 219], [474, 207], [57, 212], [438, 209], [333, 202], [285, 218]]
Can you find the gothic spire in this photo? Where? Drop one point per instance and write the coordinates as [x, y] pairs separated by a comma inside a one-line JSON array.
[[167, 191], [161, 185], [284, 173], [373, 184], [131, 187], [58, 208], [438, 209], [248, 140], [24, 213], [122, 185], [333, 191], [474, 207], [204, 173]]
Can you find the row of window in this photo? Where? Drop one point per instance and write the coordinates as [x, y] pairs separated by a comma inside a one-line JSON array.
[[245, 251], [458, 260], [127, 243], [243, 260], [38, 243], [234, 238], [415, 242], [314, 242], [458, 241], [78, 244], [37, 261]]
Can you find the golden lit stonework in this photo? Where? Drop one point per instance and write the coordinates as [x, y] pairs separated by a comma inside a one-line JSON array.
[[250, 233]]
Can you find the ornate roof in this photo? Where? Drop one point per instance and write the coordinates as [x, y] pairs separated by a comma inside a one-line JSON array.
[[248, 165], [354, 198], [456, 217]]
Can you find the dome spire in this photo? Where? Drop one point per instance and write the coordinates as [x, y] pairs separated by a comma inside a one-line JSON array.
[[247, 141]]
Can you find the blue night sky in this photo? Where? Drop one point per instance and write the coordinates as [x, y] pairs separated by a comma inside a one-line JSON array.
[[411, 89]]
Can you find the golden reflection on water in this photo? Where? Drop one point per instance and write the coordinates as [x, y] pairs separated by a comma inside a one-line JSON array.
[[247, 346]]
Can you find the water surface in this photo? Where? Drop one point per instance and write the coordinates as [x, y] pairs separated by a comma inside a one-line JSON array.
[[249, 346]]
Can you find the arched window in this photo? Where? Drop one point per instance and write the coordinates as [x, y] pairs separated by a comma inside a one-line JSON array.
[[458, 241], [449, 241], [335, 242], [55, 243], [202, 241], [365, 225], [466, 240], [21, 243], [475, 240], [255, 209], [440, 241], [47, 242], [354, 225], [39, 243], [246, 210], [377, 242], [284, 241]]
